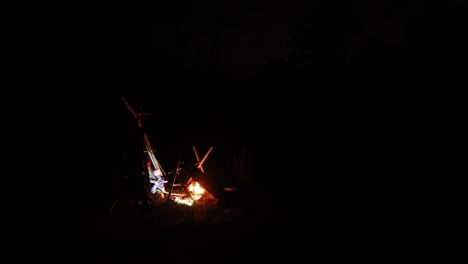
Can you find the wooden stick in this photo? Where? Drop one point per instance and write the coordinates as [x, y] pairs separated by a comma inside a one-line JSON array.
[[196, 154], [204, 158]]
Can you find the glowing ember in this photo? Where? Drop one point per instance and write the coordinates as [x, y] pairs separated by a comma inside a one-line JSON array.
[[196, 191]]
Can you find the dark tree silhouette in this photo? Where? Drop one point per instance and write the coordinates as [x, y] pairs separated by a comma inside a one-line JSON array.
[[389, 51], [322, 36], [374, 70]]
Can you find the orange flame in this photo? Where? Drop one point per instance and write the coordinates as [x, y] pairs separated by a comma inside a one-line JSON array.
[[196, 190]]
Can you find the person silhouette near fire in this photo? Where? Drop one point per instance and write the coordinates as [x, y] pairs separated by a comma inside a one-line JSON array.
[[157, 183]]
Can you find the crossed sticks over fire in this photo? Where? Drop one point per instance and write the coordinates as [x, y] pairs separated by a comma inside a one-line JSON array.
[[199, 162]]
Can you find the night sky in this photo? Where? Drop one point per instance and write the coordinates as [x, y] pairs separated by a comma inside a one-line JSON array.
[[359, 101]]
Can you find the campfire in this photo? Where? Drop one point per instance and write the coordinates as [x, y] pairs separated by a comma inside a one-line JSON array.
[[182, 192], [196, 190]]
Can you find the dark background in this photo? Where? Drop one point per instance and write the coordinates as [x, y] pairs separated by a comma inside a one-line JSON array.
[[354, 112]]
